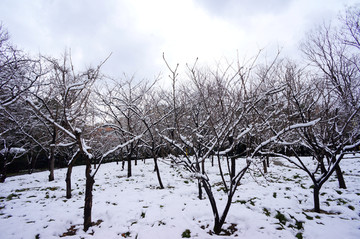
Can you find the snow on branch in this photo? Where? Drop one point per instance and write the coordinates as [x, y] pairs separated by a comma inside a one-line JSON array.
[[32, 104], [115, 149], [291, 127]]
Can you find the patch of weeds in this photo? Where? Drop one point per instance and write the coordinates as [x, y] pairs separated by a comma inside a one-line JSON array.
[[125, 234], [303, 186], [281, 217], [50, 189], [161, 223], [308, 217], [161, 206], [22, 190], [221, 189], [338, 192], [296, 176], [12, 196], [341, 201], [287, 179], [274, 195], [240, 201], [70, 232], [30, 222], [142, 215], [266, 212], [32, 196], [251, 200], [186, 181], [317, 217], [287, 188], [299, 235], [81, 193], [351, 207], [217, 184], [311, 187], [298, 224], [186, 234]]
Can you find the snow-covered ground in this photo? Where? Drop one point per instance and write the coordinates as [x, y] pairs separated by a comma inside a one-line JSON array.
[[277, 206]]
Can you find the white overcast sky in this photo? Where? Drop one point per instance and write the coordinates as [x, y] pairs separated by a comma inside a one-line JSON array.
[[137, 32]]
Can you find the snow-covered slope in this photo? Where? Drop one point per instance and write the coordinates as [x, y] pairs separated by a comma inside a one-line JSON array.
[[277, 206]]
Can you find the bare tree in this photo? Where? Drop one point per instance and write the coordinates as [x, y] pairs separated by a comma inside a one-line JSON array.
[[328, 139], [75, 89], [215, 116]]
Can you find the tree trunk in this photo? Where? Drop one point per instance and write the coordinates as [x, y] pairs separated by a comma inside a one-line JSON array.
[[267, 161], [2, 169], [316, 199], [264, 165], [51, 163], [88, 196], [33, 163], [68, 178], [129, 166], [52, 155], [233, 167], [220, 223], [158, 173], [200, 189], [340, 177], [211, 198]]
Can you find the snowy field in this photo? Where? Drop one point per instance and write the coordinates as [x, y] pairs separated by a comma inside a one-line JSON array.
[[277, 206]]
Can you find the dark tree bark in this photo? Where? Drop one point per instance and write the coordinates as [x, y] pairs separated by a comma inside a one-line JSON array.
[[161, 186], [52, 155], [68, 177], [340, 177], [129, 166], [88, 196], [264, 165], [316, 199], [233, 167], [2, 170]]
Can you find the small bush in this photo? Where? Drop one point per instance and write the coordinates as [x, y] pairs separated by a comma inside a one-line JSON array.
[[281, 217], [186, 234]]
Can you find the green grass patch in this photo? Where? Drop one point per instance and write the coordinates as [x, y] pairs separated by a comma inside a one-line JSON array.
[[186, 234], [22, 190], [299, 235], [266, 212], [281, 217], [240, 201], [308, 217], [12, 196]]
